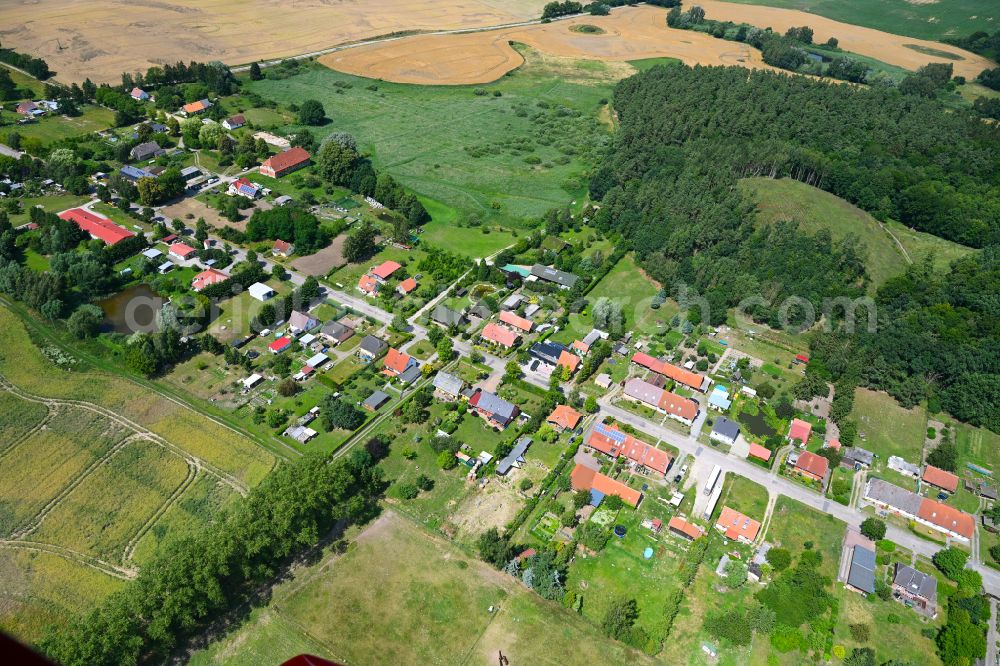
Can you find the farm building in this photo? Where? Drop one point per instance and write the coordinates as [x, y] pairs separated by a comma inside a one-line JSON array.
[[927, 512], [855, 457], [683, 528], [252, 381], [686, 377], [546, 274], [384, 271], [940, 478], [905, 468], [260, 291], [97, 226], [285, 162]]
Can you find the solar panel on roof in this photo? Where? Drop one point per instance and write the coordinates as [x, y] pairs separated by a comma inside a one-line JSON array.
[[615, 435]]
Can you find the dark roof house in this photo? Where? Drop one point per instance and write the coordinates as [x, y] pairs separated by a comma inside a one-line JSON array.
[[447, 317], [370, 347], [562, 278], [862, 572]]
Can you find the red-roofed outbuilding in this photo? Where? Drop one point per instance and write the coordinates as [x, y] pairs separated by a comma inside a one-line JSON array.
[[97, 226]]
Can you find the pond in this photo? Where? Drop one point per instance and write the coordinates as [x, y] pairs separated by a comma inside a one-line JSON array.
[[132, 310], [757, 424]]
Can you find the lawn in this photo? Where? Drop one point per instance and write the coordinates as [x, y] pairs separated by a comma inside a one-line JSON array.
[[53, 127], [978, 445], [898, 640], [52, 203], [887, 428], [919, 245], [743, 495], [926, 20], [23, 81], [468, 241], [472, 153], [375, 605], [794, 524], [349, 274]]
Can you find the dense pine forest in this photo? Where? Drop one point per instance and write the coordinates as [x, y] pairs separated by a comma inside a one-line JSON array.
[[668, 185]]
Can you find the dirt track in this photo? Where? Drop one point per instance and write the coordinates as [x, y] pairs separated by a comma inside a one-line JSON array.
[[631, 33], [100, 40]]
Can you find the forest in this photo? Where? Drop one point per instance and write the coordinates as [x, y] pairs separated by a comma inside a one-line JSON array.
[[668, 185], [896, 155]]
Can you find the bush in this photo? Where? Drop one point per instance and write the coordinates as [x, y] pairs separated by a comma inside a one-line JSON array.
[[447, 460], [407, 491], [873, 528]]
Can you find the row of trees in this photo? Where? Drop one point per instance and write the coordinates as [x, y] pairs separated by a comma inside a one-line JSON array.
[[198, 577], [37, 67]]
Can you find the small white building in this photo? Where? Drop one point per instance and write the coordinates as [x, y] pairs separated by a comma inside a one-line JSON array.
[[260, 291], [252, 381], [152, 253]]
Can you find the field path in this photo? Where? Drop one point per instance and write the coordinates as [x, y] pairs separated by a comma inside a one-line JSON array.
[[115, 570], [228, 479]]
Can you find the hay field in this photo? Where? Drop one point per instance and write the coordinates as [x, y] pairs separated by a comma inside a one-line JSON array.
[[887, 47], [100, 40], [630, 33]]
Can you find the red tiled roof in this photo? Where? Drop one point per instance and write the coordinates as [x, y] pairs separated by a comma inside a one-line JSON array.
[[514, 320], [368, 284], [941, 478], [238, 119], [801, 358], [207, 278], [800, 430], [758, 451], [626, 445], [501, 336], [678, 405], [813, 464], [407, 285], [279, 344], [736, 525], [169, 239], [581, 346], [385, 269], [396, 361], [686, 377], [281, 246], [569, 360], [287, 159], [584, 478], [195, 107], [565, 417], [833, 444], [96, 226], [690, 530], [182, 250], [947, 517]]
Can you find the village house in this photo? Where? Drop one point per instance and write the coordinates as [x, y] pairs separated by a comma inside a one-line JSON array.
[[861, 575], [29, 109], [445, 317], [97, 226], [397, 362], [799, 431], [725, 431], [685, 529], [857, 458], [737, 527], [234, 122], [139, 95], [301, 322], [568, 360], [448, 386], [285, 162], [244, 188], [146, 151], [675, 406], [927, 512], [335, 332], [516, 323], [547, 352], [282, 249], [196, 107], [370, 348], [600, 486], [384, 271], [207, 278], [368, 285], [500, 336], [940, 478], [546, 274], [564, 417], [612, 442], [812, 466], [406, 286], [692, 380], [915, 589], [719, 399], [182, 251], [493, 409]]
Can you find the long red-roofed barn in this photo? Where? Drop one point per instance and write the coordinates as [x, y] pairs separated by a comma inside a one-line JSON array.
[[680, 375], [97, 226]]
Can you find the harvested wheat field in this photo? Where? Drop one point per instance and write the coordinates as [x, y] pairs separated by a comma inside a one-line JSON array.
[[631, 33], [100, 40], [884, 46]]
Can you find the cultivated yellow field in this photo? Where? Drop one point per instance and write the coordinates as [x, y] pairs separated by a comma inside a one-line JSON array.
[[630, 33], [100, 40]]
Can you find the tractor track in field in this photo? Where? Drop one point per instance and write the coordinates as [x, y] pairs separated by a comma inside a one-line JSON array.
[[123, 573], [38, 426], [192, 476], [136, 428]]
